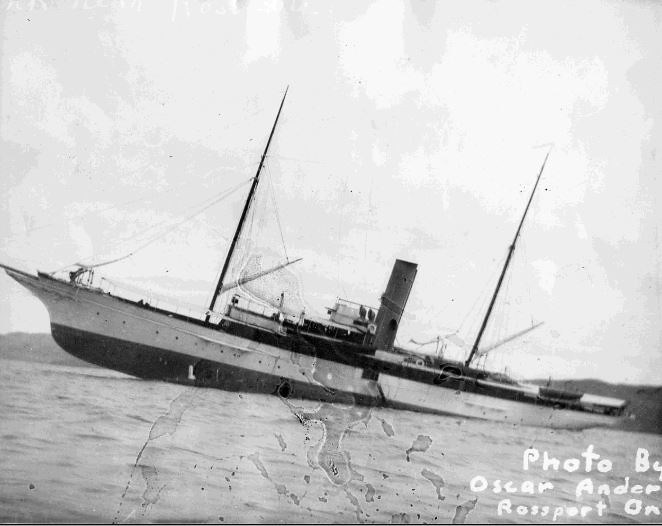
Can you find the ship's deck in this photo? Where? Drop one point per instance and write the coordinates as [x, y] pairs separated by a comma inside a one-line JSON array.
[[375, 362]]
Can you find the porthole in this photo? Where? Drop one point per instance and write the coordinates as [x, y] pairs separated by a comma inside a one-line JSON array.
[[284, 389]]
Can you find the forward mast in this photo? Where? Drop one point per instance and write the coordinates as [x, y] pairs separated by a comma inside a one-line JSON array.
[[249, 199]]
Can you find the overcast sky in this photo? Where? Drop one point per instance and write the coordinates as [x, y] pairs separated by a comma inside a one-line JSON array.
[[411, 130]]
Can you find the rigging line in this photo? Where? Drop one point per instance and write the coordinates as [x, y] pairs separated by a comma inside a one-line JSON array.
[[147, 197], [502, 326], [107, 208], [244, 246], [205, 203], [482, 296], [247, 241], [511, 250], [273, 200], [160, 224], [219, 197], [484, 299], [247, 205], [524, 258], [247, 244], [212, 229], [506, 307], [210, 294], [161, 234]]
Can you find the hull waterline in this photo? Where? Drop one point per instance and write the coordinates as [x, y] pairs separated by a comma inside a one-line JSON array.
[[121, 335]]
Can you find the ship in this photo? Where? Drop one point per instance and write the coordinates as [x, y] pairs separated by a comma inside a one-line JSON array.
[[349, 357]]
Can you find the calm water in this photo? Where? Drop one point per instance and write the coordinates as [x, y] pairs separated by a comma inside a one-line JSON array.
[[86, 444]]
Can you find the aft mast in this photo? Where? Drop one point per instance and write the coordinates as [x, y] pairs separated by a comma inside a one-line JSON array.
[[244, 213], [511, 250]]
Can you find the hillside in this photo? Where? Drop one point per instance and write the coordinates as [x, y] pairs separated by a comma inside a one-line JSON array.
[[645, 401]]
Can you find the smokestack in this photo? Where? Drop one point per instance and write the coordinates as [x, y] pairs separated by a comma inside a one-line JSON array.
[[393, 303]]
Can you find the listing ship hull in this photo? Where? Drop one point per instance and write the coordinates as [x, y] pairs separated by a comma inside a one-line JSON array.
[[135, 339]]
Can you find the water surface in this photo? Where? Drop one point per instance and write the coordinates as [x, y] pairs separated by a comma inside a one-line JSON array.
[[87, 444]]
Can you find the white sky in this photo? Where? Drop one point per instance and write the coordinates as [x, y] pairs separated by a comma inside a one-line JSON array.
[[411, 130]]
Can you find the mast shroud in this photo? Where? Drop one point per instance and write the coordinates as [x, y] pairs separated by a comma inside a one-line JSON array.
[[511, 250], [244, 213]]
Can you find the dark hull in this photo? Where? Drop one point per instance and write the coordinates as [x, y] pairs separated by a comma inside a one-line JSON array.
[[134, 339], [153, 363]]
